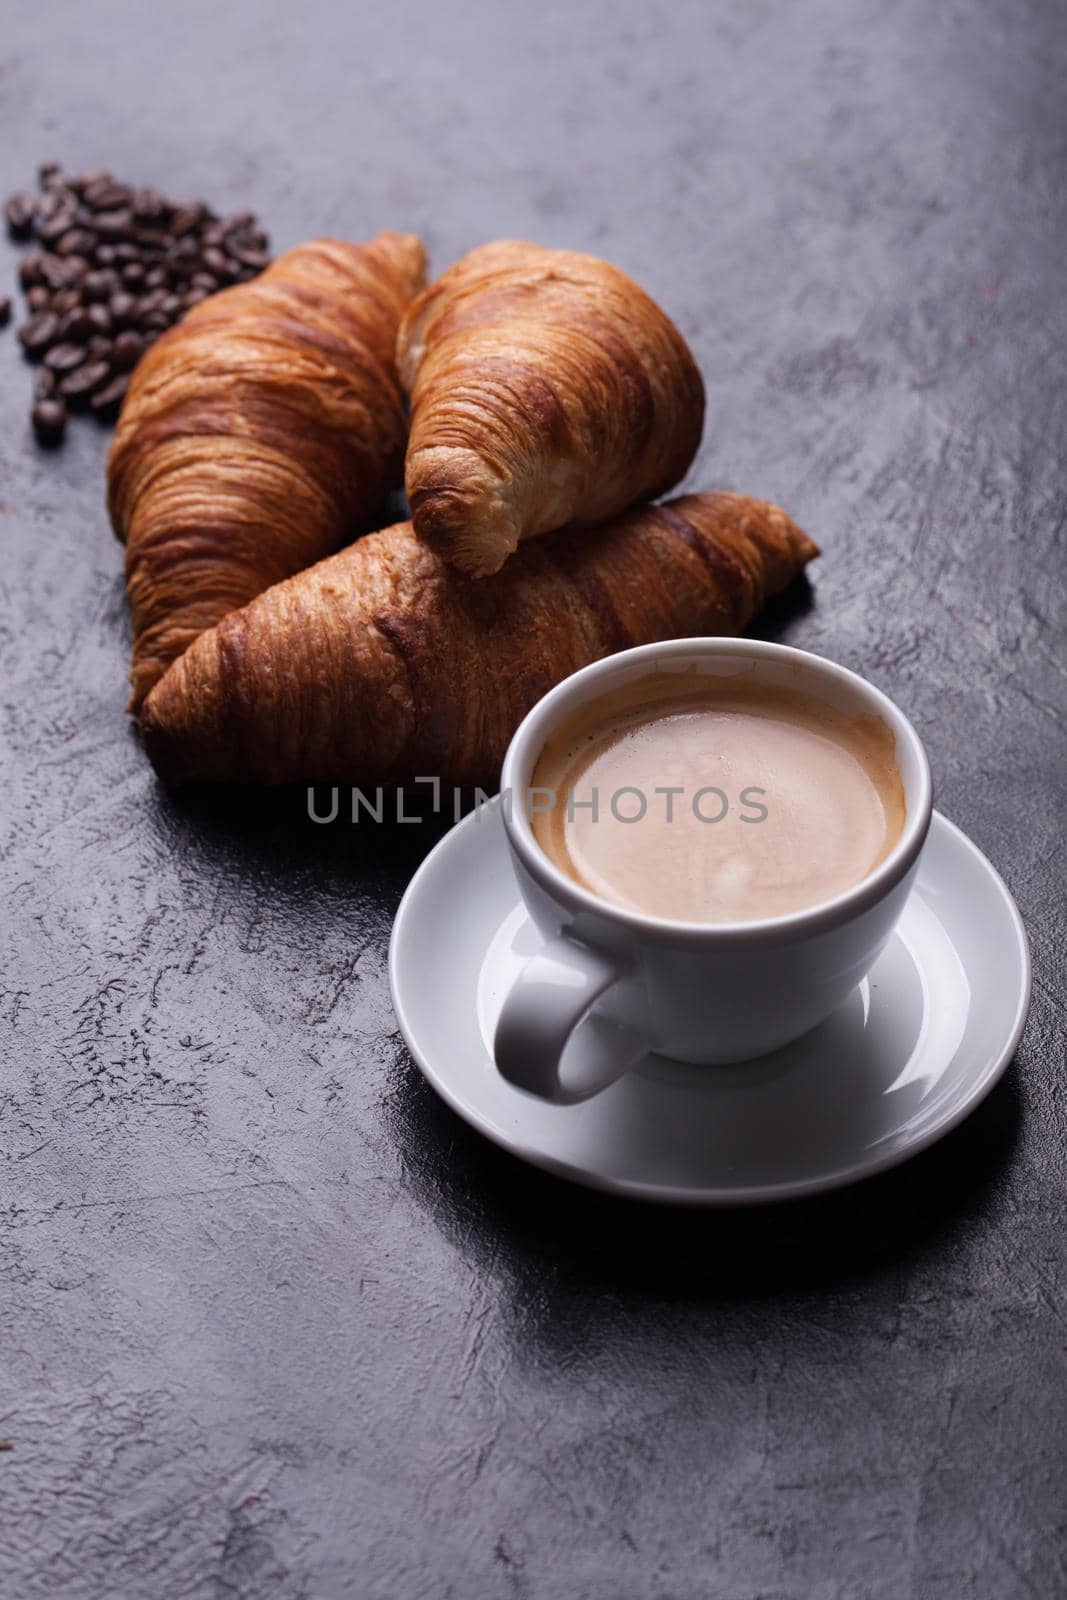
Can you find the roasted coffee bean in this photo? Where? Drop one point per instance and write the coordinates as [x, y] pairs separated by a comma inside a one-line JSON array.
[[37, 297], [106, 255], [155, 278], [249, 257], [155, 322], [110, 197], [30, 269], [84, 381], [205, 281], [19, 214], [64, 301], [75, 242], [47, 172], [171, 305], [44, 384], [121, 253], [49, 419], [85, 180], [193, 298], [100, 284], [122, 307], [215, 262], [50, 202], [133, 274], [99, 318], [114, 227], [151, 240], [52, 230], [148, 205], [186, 219], [126, 351], [39, 332], [64, 357], [5, 310], [54, 273], [77, 267], [100, 347], [94, 194], [76, 326], [106, 401]]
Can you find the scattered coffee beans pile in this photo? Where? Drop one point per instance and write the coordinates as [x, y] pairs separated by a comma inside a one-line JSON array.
[[113, 267]]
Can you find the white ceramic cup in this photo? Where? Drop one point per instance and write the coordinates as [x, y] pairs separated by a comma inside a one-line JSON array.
[[696, 992]]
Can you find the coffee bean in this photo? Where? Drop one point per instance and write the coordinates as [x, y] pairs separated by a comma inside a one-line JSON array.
[[75, 242], [115, 227], [106, 255], [148, 205], [85, 180], [215, 262], [95, 194], [110, 197], [48, 171], [99, 318], [156, 278], [53, 271], [64, 301], [205, 281], [77, 267], [100, 284], [53, 229], [64, 357], [38, 332], [155, 322], [49, 203], [37, 297], [49, 419], [193, 298], [126, 351], [122, 253], [5, 310], [30, 269], [171, 305], [100, 347], [133, 274], [76, 326], [106, 401], [44, 384], [122, 308], [186, 219], [84, 381], [19, 213], [248, 257]]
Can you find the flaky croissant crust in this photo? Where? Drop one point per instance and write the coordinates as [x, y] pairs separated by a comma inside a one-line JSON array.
[[383, 664], [258, 436], [547, 389]]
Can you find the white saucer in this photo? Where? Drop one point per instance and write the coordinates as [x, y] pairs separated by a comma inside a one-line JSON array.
[[917, 1046]]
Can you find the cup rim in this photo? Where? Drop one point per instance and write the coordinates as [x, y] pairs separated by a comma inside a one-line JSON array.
[[821, 916]]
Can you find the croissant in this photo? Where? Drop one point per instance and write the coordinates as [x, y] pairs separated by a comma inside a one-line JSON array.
[[546, 389], [257, 436], [383, 664]]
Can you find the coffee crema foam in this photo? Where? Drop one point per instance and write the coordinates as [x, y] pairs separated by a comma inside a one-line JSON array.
[[779, 800]]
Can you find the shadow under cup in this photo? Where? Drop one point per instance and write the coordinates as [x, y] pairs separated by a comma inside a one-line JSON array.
[[696, 992]]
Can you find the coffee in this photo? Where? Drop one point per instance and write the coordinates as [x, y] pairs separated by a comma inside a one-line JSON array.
[[717, 799]]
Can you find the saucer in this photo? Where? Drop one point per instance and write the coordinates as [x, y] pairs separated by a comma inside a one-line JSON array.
[[915, 1048]]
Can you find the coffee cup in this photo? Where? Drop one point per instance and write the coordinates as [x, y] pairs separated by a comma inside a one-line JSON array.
[[613, 982]]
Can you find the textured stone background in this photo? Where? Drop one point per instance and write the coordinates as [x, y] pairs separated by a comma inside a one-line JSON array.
[[273, 1323]]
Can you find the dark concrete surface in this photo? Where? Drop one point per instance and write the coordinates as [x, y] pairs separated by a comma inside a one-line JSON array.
[[273, 1323]]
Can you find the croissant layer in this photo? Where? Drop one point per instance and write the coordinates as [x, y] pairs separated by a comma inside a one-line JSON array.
[[546, 389], [258, 436], [382, 663]]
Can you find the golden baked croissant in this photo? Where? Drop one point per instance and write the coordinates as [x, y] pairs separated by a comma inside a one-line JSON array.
[[546, 389], [257, 436], [382, 663]]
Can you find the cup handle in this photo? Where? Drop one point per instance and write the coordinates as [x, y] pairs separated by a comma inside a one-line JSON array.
[[544, 1006]]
